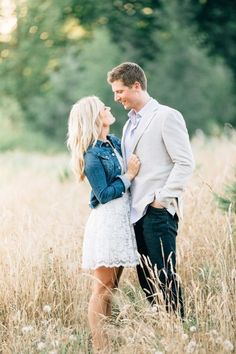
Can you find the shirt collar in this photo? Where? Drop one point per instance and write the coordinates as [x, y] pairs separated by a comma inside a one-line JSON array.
[[136, 116]]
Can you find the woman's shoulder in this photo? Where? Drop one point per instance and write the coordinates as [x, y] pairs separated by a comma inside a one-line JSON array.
[[91, 151], [91, 157]]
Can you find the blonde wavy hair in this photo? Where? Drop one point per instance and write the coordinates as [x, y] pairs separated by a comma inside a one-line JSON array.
[[84, 128]]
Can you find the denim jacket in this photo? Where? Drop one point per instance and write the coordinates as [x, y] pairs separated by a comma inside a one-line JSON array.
[[103, 172]]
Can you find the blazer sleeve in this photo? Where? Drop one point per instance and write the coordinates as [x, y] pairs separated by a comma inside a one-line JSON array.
[[176, 139]]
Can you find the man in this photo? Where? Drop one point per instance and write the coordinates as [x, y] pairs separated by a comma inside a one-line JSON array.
[[157, 134]]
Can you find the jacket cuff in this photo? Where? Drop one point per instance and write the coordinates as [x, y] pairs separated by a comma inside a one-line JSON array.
[[125, 181]]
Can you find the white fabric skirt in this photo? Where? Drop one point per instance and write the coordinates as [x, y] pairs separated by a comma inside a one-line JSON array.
[[109, 238]]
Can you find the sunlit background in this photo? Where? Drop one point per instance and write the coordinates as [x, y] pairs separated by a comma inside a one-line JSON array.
[[54, 52], [7, 20]]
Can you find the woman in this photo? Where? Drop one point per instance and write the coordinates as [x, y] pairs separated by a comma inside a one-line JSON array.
[[109, 241]]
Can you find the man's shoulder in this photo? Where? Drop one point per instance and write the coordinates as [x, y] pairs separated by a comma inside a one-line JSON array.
[[166, 113], [168, 110]]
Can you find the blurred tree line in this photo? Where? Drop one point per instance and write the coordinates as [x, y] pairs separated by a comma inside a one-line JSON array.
[[61, 50]]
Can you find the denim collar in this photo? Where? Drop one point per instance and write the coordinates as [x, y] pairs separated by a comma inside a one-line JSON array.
[[101, 143]]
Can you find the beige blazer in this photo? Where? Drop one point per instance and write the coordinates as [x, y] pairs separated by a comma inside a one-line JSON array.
[[161, 141]]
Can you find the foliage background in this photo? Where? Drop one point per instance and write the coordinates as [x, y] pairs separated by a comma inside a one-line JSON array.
[[59, 51]]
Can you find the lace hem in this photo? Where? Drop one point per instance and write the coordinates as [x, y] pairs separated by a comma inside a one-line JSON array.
[[103, 264]]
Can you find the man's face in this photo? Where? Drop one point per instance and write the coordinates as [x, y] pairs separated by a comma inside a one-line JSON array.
[[127, 96]]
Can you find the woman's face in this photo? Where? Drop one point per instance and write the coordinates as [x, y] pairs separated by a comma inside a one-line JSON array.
[[106, 116]]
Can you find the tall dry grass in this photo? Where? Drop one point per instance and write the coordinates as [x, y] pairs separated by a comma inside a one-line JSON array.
[[44, 293]]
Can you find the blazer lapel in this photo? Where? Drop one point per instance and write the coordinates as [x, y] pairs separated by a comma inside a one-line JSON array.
[[144, 123]]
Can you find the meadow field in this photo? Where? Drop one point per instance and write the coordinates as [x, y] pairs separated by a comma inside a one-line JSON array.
[[44, 293]]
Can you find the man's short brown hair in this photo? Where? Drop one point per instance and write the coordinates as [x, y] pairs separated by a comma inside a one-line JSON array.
[[128, 73]]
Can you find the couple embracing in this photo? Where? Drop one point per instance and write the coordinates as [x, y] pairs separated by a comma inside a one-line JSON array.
[[137, 187]]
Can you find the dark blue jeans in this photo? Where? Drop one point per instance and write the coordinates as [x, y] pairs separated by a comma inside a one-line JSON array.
[[156, 235]]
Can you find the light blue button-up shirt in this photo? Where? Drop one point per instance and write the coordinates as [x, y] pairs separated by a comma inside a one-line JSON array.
[[134, 119]]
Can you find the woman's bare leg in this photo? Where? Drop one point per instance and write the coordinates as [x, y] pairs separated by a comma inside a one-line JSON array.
[[104, 282], [116, 283]]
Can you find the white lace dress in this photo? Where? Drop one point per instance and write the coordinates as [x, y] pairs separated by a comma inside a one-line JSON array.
[[109, 238]]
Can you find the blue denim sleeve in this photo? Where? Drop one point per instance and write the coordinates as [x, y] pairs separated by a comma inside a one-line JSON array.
[[96, 176]]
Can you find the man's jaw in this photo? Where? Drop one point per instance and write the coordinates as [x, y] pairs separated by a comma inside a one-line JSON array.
[[125, 105]]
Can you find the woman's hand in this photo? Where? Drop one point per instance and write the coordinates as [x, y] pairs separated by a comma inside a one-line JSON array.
[[133, 167]]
